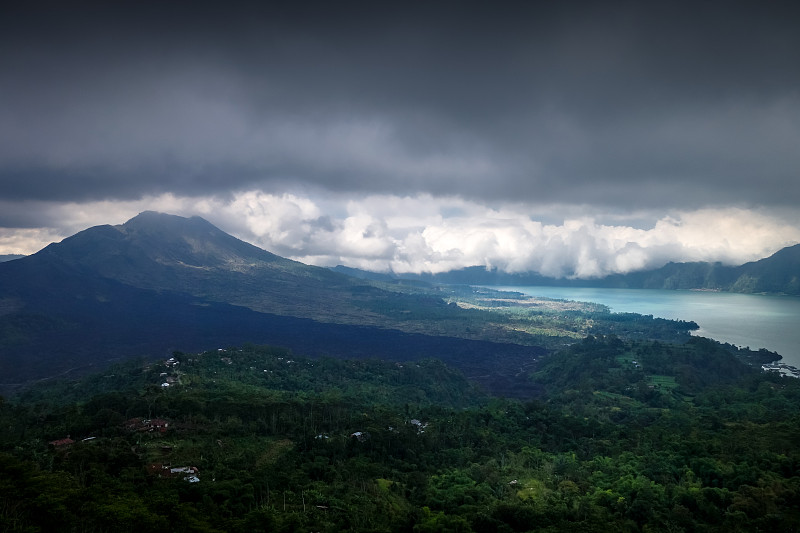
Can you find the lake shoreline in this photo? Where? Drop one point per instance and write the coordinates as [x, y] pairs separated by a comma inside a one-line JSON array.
[[743, 320]]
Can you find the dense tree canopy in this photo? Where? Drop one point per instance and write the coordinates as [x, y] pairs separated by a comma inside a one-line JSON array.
[[626, 436]]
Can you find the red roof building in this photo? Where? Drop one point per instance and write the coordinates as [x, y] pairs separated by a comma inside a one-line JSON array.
[[60, 443]]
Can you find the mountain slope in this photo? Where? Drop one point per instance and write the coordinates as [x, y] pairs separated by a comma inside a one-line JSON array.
[[778, 273], [160, 283], [170, 253]]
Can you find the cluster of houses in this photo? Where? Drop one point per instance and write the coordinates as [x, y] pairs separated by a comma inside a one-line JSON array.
[[187, 473], [170, 379], [147, 425], [782, 368], [362, 436]]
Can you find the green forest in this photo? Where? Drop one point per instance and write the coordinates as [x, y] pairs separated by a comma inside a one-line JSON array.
[[625, 435]]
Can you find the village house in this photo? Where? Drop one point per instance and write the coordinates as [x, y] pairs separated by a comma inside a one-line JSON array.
[[360, 436], [419, 425]]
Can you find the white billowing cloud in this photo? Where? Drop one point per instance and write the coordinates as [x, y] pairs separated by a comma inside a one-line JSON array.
[[434, 234], [26, 240], [584, 248], [727, 235], [284, 221]]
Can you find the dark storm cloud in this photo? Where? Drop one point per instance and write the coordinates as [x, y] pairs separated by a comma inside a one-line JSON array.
[[618, 104]]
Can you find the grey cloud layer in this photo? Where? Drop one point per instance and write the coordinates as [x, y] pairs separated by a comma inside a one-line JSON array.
[[625, 105]]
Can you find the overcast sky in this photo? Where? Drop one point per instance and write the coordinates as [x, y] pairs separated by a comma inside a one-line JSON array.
[[572, 138]]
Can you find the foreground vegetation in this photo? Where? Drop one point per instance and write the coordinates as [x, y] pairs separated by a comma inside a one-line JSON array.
[[627, 435]]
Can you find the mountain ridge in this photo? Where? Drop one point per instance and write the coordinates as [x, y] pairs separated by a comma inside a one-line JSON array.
[[776, 274], [164, 252]]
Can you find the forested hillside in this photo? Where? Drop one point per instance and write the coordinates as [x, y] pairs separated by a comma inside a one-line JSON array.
[[624, 436]]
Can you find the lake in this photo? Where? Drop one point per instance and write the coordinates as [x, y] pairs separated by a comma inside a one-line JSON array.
[[754, 320]]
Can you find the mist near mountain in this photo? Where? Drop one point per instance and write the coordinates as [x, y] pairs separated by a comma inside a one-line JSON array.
[[777, 274]]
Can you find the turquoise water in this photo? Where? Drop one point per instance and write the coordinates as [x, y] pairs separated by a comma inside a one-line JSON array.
[[754, 320]]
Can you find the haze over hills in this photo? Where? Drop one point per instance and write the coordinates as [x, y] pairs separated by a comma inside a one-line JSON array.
[[779, 273]]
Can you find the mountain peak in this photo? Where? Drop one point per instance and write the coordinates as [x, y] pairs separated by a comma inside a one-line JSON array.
[[194, 241], [156, 221], [151, 242], [158, 216]]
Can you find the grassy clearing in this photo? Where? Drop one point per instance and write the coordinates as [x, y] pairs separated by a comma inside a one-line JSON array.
[[665, 384], [616, 399], [627, 358]]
